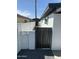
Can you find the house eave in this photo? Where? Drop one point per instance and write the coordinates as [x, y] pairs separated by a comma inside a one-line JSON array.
[[52, 7]]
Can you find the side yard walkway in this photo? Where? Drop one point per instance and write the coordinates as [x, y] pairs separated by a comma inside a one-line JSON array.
[[37, 54], [34, 54]]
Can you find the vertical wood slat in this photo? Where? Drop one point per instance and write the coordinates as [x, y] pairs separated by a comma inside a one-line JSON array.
[[44, 37]]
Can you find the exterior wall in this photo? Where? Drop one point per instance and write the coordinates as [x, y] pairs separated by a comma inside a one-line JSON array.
[[50, 19], [18, 38], [32, 40], [27, 26], [25, 36], [18, 42], [28, 40], [25, 40], [56, 37]]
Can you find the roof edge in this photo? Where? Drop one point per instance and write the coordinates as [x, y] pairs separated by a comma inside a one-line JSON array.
[[50, 8], [24, 16]]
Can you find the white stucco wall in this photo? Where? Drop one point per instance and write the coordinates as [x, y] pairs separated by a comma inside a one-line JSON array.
[[50, 21], [24, 40], [25, 36], [56, 37], [28, 40], [18, 38], [28, 26], [32, 40], [18, 42]]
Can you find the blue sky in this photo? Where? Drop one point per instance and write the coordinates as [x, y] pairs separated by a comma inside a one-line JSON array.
[[26, 7]]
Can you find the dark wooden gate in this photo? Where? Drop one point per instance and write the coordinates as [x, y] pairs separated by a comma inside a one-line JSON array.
[[43, 37]]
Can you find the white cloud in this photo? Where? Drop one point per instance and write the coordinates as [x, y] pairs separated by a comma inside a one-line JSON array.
[[24, 13]]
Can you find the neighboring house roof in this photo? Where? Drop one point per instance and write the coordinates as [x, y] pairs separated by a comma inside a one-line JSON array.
[[22, 19], [52, 8], [23, 16]]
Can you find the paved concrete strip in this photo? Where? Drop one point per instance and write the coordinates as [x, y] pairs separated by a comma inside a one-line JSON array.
[[23, 56], [52, 57], [49, 57], [57, 57]]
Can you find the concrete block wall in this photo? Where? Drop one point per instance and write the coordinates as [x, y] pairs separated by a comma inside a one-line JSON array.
[[26, 40], [25, 36], [18, 42]]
